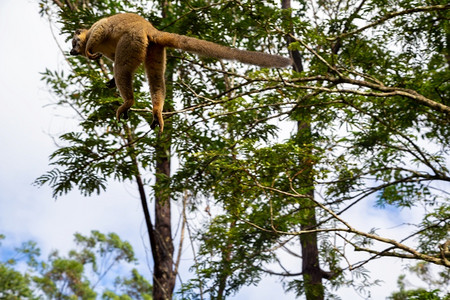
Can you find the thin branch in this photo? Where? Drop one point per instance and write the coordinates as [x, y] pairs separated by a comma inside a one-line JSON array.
[[420, 155], [193, 9], [195, 256], [286, 274], [336, 47], [412, 94], [416, 254], [390, 16], [384, 92], [59, 3], [323, 60], [142, 194], [72, 7], [183, 227]]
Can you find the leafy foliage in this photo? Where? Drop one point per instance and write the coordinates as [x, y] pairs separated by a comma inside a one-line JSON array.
[[437, 285], [83, 274]]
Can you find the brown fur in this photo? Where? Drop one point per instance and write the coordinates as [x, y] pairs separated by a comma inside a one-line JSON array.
[[129, 40]]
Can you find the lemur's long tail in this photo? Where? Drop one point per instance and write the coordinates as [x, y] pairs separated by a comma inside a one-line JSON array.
[[210, 49]]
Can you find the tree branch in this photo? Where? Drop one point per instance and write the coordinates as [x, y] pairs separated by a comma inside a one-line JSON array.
[[412, 252], [390, 16], [384, 91]]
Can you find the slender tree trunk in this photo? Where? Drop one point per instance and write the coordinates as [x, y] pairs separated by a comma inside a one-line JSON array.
[[295, 55], [160, 236], [141, 189], [164, 275], [164, 272], [311, 271], [225, 272]]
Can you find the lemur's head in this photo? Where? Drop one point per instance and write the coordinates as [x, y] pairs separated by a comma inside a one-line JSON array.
[[79, 42]]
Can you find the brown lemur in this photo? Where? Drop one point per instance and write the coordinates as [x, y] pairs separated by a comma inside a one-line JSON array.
[[129, 39]]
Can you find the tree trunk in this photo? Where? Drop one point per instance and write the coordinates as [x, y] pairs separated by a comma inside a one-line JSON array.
[[225, 272], [164, 275], [295, 55], [311, 271]]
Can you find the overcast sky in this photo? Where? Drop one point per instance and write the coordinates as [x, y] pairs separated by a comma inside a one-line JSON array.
[[27, 123]]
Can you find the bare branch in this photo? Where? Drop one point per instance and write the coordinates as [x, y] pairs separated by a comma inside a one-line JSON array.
[[391, 16], [59, 3], [384, 91], [407, 252], [183, 227]]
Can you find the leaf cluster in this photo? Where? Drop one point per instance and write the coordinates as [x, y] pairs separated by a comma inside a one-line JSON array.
[[83, 274]]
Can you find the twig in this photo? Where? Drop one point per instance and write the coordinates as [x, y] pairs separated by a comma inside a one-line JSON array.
[[390, 16]]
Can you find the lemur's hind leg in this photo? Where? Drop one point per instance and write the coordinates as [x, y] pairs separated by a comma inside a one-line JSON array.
[[130, 53], [155, 66]]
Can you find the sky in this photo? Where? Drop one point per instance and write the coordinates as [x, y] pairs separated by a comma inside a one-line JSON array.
[[28, 125]]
